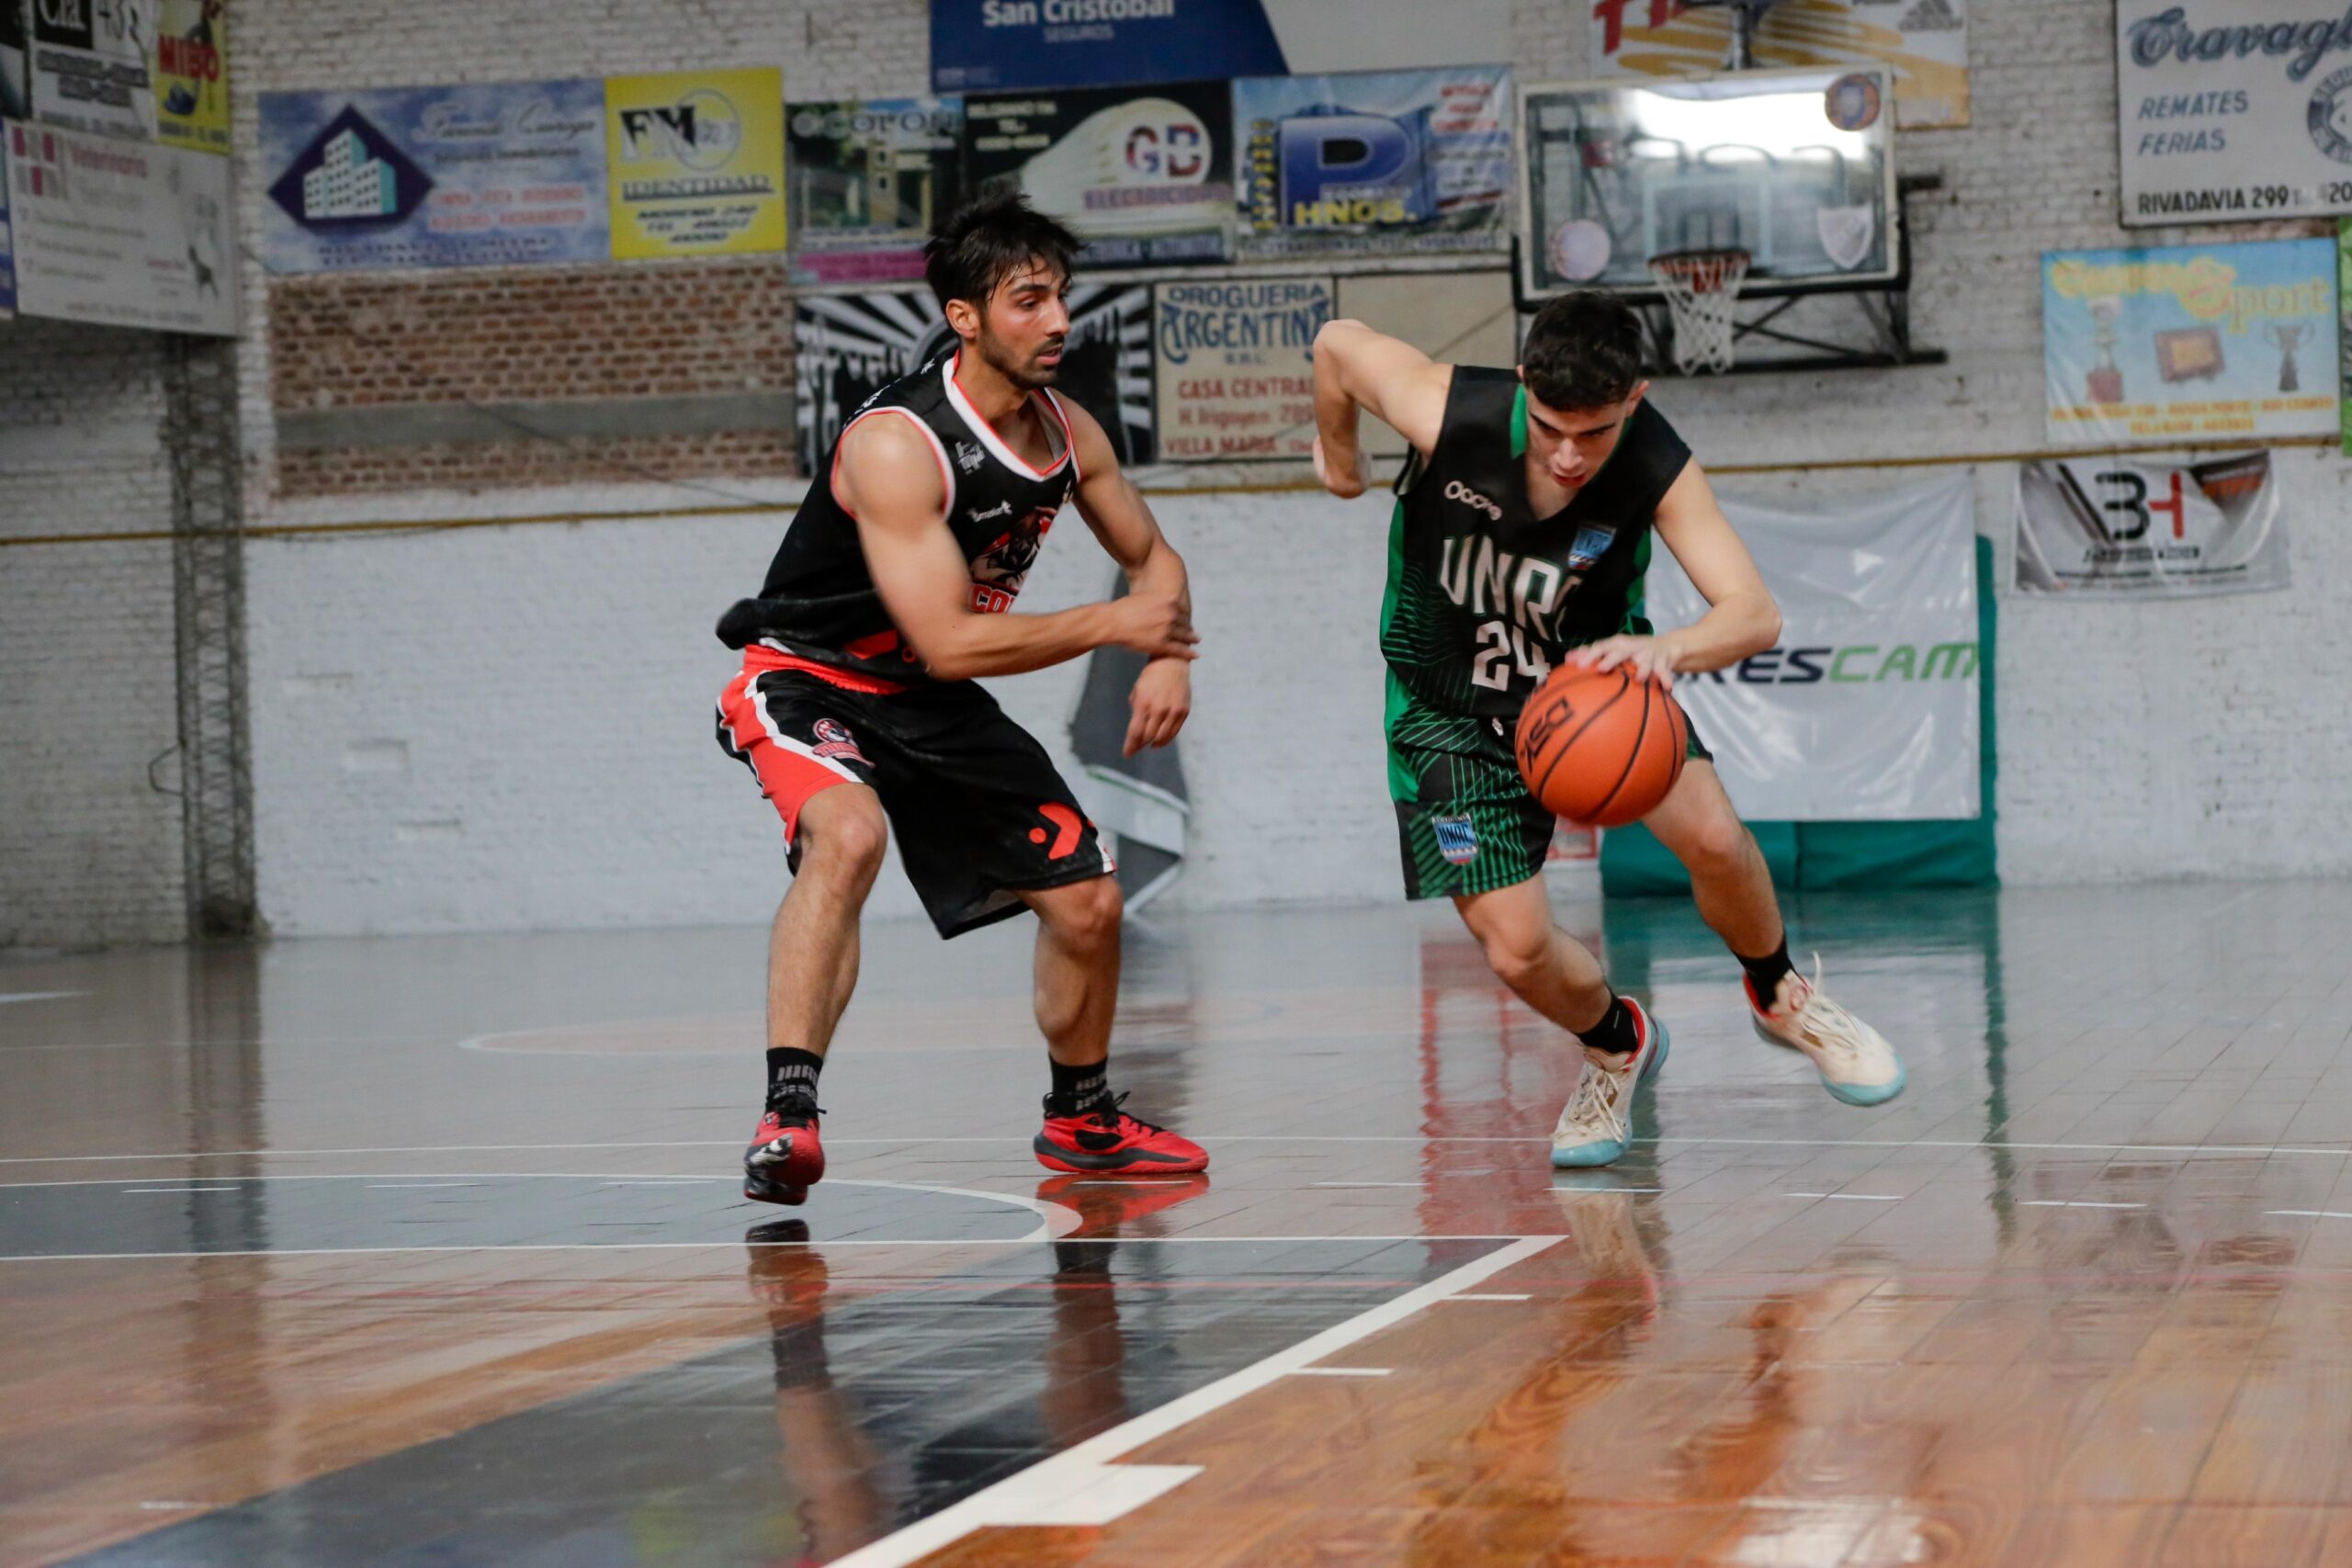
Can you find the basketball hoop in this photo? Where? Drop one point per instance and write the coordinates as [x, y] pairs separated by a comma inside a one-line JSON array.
[[1700, 289]]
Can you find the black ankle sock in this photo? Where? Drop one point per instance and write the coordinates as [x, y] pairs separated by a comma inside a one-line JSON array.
[[1076, 1089], [792, 1071], [1616, 1032], [1767, 973]]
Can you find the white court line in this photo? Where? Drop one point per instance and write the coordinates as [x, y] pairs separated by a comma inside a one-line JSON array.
[[1082, 1484], [1851, 1197], [2072, 1203], [129, 1192], [2310, 1214], [388, 1186], [1367, 1184], [6, 997], [2235, 1149], [1341, 1372], [1468, 1296]]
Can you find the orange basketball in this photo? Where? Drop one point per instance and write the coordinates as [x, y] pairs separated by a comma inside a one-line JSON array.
[[1601, 749]]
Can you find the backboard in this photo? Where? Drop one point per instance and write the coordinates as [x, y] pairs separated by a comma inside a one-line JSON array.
[[1795, 167]]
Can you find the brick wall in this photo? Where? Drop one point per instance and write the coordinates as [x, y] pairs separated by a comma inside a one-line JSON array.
[[89, 850]]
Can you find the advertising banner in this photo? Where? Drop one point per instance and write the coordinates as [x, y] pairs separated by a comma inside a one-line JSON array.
[[8, 236], [190, 72], [1393, 163], [502, 175], [1237, 372], [1009, 45], [1867, 711], [850, 346], [15, 99], [2190, 341], [1923, 43], [90, 67], [869, 177], [697, 162], [2343, 327], [2144, 528], [1144, 175], [123, 233], [2232, 110]]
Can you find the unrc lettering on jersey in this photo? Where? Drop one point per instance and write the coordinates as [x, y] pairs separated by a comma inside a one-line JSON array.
[[1488, 581]]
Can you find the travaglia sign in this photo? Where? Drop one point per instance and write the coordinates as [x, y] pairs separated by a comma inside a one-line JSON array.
[[2223, 115]]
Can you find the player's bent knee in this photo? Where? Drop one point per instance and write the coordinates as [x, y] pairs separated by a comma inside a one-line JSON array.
[[1084, 915], [844, 836], [1721, 844]]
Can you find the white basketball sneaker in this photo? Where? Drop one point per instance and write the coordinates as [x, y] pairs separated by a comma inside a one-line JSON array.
[[1854, 1060], [1597, 1124]]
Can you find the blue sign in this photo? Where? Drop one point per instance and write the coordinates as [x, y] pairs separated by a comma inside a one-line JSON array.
[[498, 175], [1376, 161], [996, 45]]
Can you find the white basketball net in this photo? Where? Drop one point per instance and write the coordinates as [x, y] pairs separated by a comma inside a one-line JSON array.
[[1702, 288]]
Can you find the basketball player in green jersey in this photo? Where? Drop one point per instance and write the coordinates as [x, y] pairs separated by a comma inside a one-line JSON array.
[[1521, 532]]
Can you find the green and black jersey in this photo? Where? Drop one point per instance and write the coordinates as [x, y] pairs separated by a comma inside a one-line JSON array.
[[1484, 597]]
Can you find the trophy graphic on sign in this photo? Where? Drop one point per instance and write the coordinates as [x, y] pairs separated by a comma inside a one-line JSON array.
[[2105, 383], [2286, 337]]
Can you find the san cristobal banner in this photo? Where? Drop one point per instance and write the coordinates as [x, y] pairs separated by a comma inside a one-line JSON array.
[[2150, 527], [695, 161], [1867, 709]]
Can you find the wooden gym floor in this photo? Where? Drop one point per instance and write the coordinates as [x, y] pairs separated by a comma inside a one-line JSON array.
[[428, 1251]]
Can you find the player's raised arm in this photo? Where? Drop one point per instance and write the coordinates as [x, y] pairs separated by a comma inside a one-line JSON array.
[[1356, 368], [890, 479], [1108, 500]]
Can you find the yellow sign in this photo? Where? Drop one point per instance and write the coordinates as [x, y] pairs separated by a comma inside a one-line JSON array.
[[190, 71], [696, 162]]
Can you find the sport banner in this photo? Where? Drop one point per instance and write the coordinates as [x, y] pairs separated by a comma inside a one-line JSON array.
[[869, 177], [502, 175], [191, 75], [2190, 341], [2232, 110], [697, 162], [1008, 45], [1144, 175], [1236, 371], [2143, 527], [848, 346], [1392, 163], [1923, 43], [123, 233], [1867, 710]]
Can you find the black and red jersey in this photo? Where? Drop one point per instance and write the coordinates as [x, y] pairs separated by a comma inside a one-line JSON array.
[[819, 603]]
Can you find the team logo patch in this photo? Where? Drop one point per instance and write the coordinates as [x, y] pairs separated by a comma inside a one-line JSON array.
[[833, 739], [1590, 546], [1457, 839], [969, 458]]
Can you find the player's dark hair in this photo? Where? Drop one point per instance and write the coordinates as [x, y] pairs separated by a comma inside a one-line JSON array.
[[988, 240], [1583, 351]]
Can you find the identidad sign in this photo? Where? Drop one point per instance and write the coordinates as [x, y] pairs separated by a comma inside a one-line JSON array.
[[2233, 110], [1237, 373]]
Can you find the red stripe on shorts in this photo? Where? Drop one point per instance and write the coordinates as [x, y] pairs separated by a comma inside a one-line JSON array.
[[788, 778]]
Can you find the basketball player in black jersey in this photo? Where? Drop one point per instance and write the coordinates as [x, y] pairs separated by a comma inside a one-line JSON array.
[[858, 713], [1520, 537]]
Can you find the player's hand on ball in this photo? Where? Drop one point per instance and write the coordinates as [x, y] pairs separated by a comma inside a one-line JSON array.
[[1157, 625], [1653, 659], [1160, 702], [1346, 480]]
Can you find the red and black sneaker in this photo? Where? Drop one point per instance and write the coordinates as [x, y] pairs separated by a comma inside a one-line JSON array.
[[1107, 1139], [786, 1158]]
